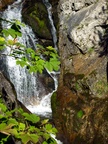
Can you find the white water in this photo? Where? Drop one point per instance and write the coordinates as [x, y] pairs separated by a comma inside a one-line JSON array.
[[25, 83], [53, 30], [28, 86]]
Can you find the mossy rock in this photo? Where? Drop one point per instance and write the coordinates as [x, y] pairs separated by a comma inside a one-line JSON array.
[[37, 17], [54, 102]]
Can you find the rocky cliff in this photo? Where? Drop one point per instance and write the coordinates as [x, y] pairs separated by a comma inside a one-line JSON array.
[[80, 104]]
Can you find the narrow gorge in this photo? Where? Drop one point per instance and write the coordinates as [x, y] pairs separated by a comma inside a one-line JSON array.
[[80, 103]]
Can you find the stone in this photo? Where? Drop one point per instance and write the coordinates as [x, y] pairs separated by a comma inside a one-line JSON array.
[[35, 14], [80, 104], [82, 42], [5, 3], [7, 92]]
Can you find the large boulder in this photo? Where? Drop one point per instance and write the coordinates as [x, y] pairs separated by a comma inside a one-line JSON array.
[[8, 94], [83, 43], [35, 14], [83, 87]]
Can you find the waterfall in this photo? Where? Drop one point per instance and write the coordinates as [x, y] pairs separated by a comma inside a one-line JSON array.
[[53, 29], [28, 86], [25, 83], [30, 91]]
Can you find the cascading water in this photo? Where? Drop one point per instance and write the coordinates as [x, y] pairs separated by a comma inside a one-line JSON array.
[[25, 83], [30, 91], [53, 29], [28, 86]]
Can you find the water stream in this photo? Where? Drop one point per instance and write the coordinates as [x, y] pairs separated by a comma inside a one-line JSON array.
[[28, 86], [30, 91]]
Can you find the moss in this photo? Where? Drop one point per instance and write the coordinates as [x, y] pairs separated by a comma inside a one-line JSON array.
[[54, 102], [67, 111], [37, 17], [90, 50], [65, 119], [79, 76], [94, 72], [101, 87]]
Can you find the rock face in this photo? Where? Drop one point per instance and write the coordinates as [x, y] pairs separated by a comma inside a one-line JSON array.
[[35, 14], [82, 94], [5, 3], [7, 92]]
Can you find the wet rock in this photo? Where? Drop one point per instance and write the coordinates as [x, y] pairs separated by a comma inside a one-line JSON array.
[[5, 3], [80, 119], [80, 104], [82, 43], [35, 14], [8, 93]]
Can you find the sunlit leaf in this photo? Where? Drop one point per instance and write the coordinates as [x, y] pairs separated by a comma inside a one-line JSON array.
[[45, 121], [80, 114], [13, 121], [3, 107], [21, 126], [2, 39], [31, 117]]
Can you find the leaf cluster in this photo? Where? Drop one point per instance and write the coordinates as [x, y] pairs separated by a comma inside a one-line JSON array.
[[28, 128], [34, 60]]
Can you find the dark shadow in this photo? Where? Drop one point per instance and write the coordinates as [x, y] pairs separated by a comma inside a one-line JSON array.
[[104, 45]]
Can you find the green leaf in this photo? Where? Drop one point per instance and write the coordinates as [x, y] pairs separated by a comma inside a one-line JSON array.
[[19, 34], [25, 139], [21, 126], [13, 121], [12, 32], [2, 125], [34, 138], [2, 47], [3, 107], [80, 114], [48, 66], [7, 129], [33, 129], [46, 136], [32, 69], [31, 117], [40, 46], [48, 127], [51, 48], [21, 62], [44, 142], [2, 116], [29, 137], [30, 50], [5, 32], [44, 121], [2, 39], [10, 42]]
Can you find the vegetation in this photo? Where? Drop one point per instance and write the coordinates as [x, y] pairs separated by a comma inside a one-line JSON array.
[[34, 60], [27, 128]]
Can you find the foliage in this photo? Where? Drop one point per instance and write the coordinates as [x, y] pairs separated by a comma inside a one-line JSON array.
[[28, 128], [80, 114], [35, 60]]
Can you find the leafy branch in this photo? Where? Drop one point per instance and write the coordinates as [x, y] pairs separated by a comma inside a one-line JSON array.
[[34, 60], [29, 128]]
